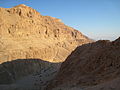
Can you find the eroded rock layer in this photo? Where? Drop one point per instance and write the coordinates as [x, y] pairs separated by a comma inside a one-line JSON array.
[[25, 34]]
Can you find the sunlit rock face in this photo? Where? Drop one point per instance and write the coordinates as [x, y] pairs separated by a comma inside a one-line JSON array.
[[25, 33], [95, 65]]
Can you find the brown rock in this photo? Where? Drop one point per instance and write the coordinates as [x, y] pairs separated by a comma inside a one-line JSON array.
[[90, 65]]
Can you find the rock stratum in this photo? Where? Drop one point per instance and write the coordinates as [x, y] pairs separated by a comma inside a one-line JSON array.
[[94, 66], [26, 34]]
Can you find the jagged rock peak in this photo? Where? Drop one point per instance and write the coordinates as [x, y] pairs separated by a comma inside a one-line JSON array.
[[22, 5], [23, 10]]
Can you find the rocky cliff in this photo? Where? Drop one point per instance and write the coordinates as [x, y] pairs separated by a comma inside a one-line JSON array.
[[95, 65], [25, 34]]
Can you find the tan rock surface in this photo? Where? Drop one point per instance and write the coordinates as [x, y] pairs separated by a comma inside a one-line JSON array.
[[25, 33], [90, 65]]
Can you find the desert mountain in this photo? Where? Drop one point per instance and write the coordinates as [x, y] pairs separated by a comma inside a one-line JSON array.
[[25, 34], [32, 47], [95, 65]]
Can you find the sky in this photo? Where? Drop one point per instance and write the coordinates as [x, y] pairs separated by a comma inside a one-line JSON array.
[[97, 19]]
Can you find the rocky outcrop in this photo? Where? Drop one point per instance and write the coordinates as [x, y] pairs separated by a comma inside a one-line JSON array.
[[25, 33], [90, 65]]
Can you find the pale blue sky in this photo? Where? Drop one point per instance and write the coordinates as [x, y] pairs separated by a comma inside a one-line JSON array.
[[97, 19]]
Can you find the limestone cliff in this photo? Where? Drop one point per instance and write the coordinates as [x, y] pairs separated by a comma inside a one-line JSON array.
[[25, 34]]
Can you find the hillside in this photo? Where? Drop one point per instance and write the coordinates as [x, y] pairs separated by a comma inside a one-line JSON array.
[[94, 66], [32, 47], [25, 34]]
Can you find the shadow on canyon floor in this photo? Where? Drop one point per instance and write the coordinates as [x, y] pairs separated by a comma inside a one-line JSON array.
[[16, 69]]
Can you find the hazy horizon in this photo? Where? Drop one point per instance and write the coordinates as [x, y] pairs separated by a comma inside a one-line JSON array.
[[97, 19]]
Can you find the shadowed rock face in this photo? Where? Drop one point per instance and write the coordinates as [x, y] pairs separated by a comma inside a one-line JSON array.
[[27, 74], [25, 33], [90, 65], [16, 69]]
